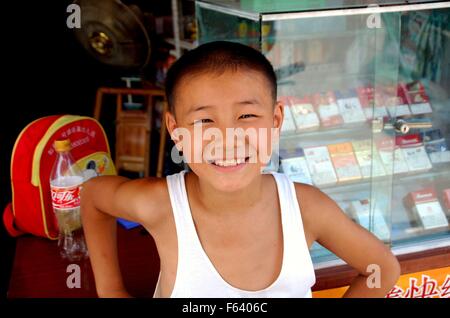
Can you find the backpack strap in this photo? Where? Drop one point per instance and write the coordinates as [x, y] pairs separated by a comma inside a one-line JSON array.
[[8, 221]]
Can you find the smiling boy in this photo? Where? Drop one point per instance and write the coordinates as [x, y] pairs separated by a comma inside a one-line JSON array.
[[225, 229]]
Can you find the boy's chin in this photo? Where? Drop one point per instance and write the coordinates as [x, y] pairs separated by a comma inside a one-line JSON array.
[[230, 185]]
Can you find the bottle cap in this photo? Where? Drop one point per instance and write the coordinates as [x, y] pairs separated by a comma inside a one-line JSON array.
[[62, 145]]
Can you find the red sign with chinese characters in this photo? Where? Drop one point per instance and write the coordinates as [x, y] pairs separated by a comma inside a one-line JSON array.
[[428, 284]]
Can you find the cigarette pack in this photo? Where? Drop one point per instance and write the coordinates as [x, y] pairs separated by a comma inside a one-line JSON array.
[[305, 117], [417, 98], [371, 102], [368, 159], [395, 101], [288, 126], [344, 161], [293, 164], [414, 152], [435, 146], [391, 156], [320, 165], [350, 107], [426, 208], [371, 219], [328, 110]]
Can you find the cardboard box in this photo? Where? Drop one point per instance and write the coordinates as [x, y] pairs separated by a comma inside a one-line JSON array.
[[344, 161], [368, 159], [328, 110], [426, 207], [414, 152], [350, 107], [293, 164], [320, 165], [305, 117]]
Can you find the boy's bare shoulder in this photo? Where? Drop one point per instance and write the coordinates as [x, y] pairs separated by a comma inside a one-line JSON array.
[[153, 190], [308, 195], [151, 198], [315, 206]]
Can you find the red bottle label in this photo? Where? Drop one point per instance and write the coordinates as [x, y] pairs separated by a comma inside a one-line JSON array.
[[66, 198]]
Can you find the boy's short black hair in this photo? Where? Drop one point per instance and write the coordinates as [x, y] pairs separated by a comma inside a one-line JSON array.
[[218, 57]]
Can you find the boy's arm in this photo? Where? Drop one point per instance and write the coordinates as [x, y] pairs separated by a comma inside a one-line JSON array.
[[103, 199], [328, 225]]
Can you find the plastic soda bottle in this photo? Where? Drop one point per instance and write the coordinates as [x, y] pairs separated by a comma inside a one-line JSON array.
[[65, 183]]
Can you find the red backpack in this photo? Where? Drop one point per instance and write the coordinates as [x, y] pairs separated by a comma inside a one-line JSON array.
[[32, 161]]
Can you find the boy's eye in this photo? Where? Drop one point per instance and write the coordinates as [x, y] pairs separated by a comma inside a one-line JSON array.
[[202, 121], [247, 116]]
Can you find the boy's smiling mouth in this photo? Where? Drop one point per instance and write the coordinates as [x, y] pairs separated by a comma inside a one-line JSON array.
[[229, 164]]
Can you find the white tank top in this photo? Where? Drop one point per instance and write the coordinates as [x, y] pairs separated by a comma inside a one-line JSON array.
[[197, 277]]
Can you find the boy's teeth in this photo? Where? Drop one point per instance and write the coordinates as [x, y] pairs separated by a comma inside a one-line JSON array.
[[227, 163]]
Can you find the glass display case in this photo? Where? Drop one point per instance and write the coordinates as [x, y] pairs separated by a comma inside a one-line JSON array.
[[366, 90]]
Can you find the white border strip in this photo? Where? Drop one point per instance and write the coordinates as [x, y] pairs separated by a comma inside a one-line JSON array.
[[235, 12], [344, 12], [420, 246]]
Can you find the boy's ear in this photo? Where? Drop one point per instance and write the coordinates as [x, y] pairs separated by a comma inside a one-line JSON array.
[[278, 116], [171, 125]]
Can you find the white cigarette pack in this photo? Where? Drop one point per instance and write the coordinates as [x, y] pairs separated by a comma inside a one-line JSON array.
[[414, 152], [368, 159], [391, 156], [304, 115], [350, 107], [320, 165], [294, 165], [373, 221], [425, 205]]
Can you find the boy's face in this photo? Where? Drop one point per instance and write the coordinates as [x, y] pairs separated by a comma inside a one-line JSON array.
[[225, 125]]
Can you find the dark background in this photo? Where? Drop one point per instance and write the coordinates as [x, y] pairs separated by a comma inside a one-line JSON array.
[[44, 72]]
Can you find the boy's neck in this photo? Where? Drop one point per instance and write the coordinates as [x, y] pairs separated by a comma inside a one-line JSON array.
[[226, 202]]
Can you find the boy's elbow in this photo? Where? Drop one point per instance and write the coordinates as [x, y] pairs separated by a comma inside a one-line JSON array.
[[392, 270], [397, 270]]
